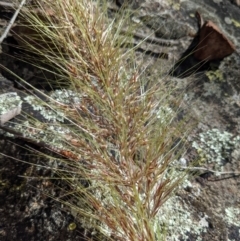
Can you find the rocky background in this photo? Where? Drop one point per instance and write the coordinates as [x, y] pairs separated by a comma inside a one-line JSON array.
[[208, 207]]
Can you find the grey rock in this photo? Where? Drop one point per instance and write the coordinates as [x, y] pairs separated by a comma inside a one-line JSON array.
[[167, 28]]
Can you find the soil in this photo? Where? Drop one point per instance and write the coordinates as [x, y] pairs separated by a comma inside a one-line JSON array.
[[212, 94]]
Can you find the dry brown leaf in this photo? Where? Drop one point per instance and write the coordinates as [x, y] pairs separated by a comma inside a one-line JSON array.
[[213, 44]]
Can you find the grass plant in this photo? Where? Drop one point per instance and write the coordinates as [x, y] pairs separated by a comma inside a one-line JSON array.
[[116, 133]]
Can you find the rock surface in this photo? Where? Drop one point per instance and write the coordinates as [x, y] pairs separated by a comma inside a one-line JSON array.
[[210, 201]]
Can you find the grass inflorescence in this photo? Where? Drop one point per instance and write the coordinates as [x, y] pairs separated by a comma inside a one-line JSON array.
[[117, 135]]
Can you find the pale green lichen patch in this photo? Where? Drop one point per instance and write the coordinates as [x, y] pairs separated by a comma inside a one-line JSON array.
[[215, 146], [51, 131], [215, 75], [53, 135], [48, 110], [164, 114], [236, 23], [9, 101], [181, 221], [44, 109], [232, 216], [67, 97]]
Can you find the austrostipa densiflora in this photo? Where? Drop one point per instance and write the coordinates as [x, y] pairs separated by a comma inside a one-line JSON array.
[[116, 140]]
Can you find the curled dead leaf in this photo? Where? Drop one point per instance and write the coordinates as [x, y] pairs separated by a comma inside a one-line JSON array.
[[213, 44]]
